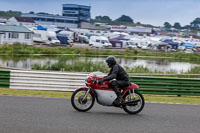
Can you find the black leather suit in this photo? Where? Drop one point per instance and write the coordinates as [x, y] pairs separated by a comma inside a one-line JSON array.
[[122, 78]]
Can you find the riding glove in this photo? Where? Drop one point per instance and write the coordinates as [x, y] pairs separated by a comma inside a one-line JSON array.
[[100, 81]]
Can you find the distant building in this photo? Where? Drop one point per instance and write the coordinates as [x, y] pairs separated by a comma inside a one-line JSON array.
[[85, 25], [1, 37], [139, 29], [120, 28], [3, 20], [80, 12], [21, 21], [49, 19], [72, 16], [100, 24], [198, 33], [13, 34]]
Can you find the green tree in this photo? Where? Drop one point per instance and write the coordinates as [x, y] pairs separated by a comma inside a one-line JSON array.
[[186, 27], [167, 25], [177, 25], [195, 24], [32, 12], [10, 13], [98, 17], [103, 18], [106, 18], [124, 18]]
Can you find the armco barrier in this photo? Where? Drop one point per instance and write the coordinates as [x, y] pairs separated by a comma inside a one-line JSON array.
[[69, 81], [4, 78], [168, 86], [41, 80]]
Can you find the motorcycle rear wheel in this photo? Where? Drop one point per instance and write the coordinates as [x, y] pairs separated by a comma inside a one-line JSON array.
[[134, 109], [79, 104]]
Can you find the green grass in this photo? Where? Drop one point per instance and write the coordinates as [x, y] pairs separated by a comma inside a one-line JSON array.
[[22, 49], [61, 94], [39, 93], [173, 99], [195, 70], [77, 66], [89, 66]]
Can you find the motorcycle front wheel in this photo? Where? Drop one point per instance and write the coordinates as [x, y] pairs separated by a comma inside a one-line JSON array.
[[135, 107], [79, 104]]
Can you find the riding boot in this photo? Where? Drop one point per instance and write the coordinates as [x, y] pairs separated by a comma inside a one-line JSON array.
[[119, 99]]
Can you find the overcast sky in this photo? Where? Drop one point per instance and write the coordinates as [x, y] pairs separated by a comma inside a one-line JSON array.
[[154, 12]]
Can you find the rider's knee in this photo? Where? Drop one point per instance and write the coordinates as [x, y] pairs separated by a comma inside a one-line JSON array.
[[113, 83]]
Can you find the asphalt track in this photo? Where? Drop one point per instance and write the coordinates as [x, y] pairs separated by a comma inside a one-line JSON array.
[[53, 115]]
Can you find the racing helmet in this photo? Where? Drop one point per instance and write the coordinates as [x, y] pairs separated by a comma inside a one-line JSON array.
[[111, 61]]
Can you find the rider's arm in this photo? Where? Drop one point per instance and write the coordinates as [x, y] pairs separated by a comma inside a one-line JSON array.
[[113, 74]]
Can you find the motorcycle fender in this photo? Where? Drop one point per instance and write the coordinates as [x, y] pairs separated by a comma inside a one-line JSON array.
[[86, 88], [132, 87]]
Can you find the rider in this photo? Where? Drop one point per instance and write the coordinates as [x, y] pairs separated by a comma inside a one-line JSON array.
[[118, 76]]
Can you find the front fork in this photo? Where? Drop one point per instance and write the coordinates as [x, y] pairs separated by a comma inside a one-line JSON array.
[[86, 93], [130, 93]]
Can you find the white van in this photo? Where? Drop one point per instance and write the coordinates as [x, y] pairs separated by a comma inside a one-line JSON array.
[[99, 42], [47, 37], [129, 44]]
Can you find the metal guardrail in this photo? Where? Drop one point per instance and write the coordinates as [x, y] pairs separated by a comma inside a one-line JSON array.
[[69, 81], [4, 78], [42, 80], [167, 86]]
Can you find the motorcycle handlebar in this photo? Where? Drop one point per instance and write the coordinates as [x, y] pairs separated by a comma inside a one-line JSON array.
[[94, 81]]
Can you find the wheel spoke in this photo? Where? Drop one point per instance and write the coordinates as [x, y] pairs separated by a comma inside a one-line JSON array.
[[82, 104], [131, 97]]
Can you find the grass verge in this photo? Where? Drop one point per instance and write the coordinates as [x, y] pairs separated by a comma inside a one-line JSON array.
[[22, 49], [61, 94]]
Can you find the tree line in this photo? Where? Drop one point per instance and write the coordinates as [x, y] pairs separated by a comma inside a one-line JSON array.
[[124, 20], [8, 14], [195, 25]]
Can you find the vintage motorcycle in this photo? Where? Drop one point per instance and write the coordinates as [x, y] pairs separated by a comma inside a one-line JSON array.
[[83, 98]]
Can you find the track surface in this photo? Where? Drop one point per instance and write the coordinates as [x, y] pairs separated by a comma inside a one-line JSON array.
[[54, 115]]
